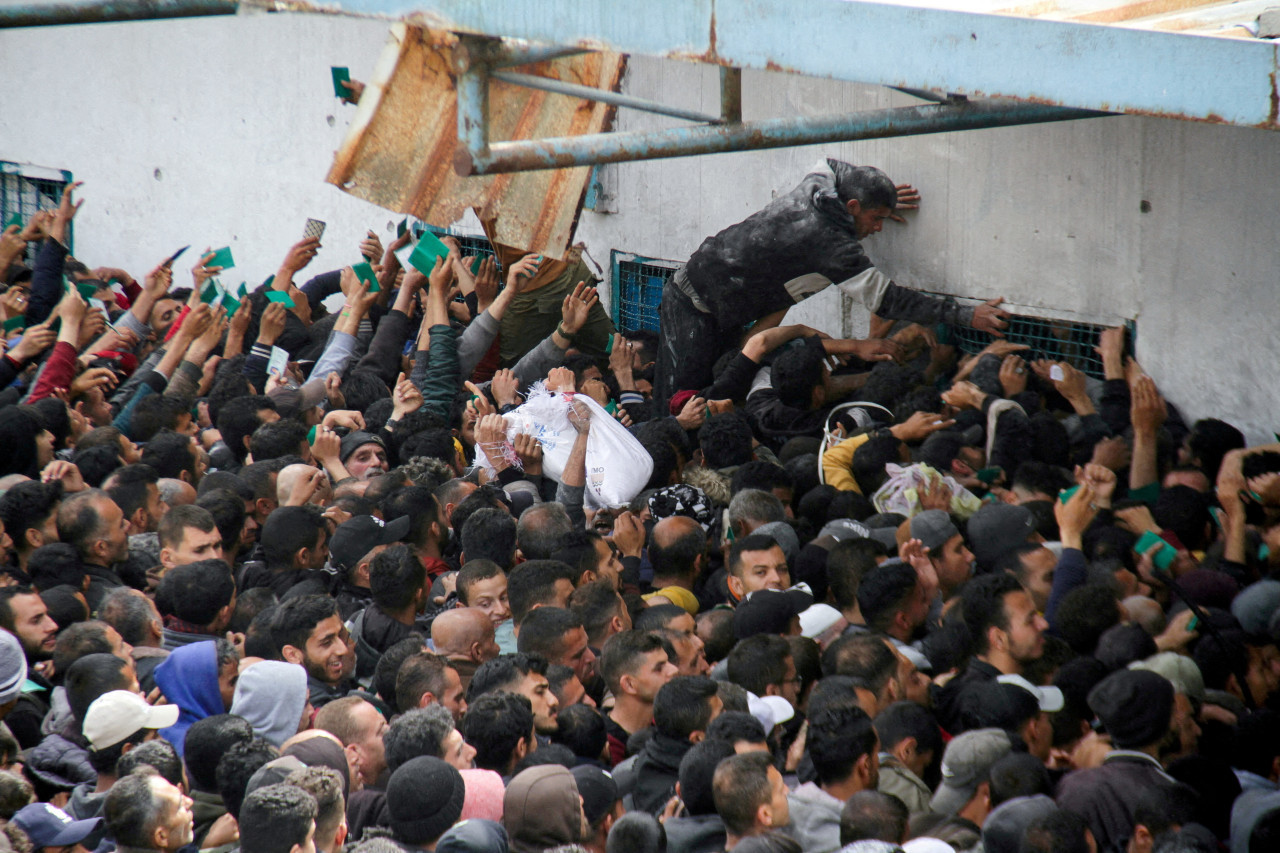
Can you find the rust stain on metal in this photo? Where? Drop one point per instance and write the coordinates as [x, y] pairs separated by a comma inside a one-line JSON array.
[[400, 150], [1274, 118]]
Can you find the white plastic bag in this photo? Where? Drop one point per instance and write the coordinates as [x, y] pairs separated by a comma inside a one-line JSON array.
[[618, 466]]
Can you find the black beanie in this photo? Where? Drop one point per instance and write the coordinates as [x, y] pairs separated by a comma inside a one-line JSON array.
[[424, 799], [1134, 705]]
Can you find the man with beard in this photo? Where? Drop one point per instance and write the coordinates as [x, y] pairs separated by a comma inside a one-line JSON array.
[[1137, 710], [363, 454], [309, 631], [895, 603], [23, 614], [1007, 633], [845, 751], [96, 527], [523, 674], [145, 812]]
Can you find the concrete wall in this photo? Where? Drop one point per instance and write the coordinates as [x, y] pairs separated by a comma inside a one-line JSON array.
[[220, 131]]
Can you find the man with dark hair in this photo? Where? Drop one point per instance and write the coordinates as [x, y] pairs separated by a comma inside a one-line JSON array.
[[24, 614], [206, 742], [602, 610], [763, 665], [237, 766], [134, 490], [399, 586], [198, 601], [1059, 832], [750, 796], [700, 829], [308, 631], [1006, 632], [231, 516], [278, 439], [523, 674], [500, 727], [557, 635], [537, 583], [427, 679], [240, 417], [324, 784], [176, 455], [634, 667], [145, 812], [756, 562], [489, 534], [92, 524], [682, 710], [894, 602], [873, 815], [188, 534], [427, 731], [844, 747], [29, 512], [136, 619], [1033, 565], [278, 819], [952, 561], [871, 661], [428, 531], [909, 741], [293, 548]]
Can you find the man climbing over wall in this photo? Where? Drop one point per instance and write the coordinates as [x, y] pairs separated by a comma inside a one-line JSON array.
[[796, 246]]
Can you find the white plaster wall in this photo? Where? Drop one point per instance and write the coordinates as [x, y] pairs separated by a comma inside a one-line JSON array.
[[1047, 216], [238, 117], [210, 132]]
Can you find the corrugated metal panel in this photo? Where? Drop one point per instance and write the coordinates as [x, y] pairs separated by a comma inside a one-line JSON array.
[[400, 149]]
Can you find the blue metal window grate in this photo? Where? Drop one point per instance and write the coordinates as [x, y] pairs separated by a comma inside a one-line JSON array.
[[637, 289], [471, 246], [1071, 341], [26, 189]]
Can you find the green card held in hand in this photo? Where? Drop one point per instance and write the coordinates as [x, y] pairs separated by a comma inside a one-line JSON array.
[[402, 227], [270, 279], [222, 258], [16, 219], [13, 323], [425, 253], [280, 296], [340, 76], [364, 272], [87, 290], [211, 293], [230, 303]]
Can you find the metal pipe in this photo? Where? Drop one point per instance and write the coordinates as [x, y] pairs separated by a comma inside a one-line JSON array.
[[102, 11], [562, 152], [591, 93], [731, 95], [473, 106], [509, 54]]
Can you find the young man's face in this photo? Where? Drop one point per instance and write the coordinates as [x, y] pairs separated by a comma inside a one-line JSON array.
[[454, 697], [196, 545], [654, 671], [868, 220], [759, 570], [490, 595], [545, 704], [578, 655], [33, 626], [326, 653], [1026, 628]]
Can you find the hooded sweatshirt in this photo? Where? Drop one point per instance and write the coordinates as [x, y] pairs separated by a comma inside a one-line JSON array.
[[271, 696], [188, 678], [542, 809], [815, 819]]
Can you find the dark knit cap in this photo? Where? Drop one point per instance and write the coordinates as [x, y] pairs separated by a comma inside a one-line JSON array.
[[353, 440], [424, 799], [1134, 705]]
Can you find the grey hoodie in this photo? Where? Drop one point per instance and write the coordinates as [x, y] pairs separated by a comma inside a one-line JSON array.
[[271, 696], [815, 819]]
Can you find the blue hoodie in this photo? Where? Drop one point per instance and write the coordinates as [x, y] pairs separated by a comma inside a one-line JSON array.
[[188, 678]]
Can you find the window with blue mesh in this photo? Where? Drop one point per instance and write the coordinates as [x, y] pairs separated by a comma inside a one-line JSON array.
[[26, 189], [1072, 341], [471, 245], [637, 289]]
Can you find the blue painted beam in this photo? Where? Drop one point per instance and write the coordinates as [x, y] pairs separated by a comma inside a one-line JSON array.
[[101, 11], [560, 152], [1058, 63]]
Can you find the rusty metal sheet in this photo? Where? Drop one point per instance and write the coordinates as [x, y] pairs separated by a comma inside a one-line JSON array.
[[399, 152]]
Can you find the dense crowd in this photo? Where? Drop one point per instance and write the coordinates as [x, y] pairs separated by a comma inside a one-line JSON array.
[[393, 559]]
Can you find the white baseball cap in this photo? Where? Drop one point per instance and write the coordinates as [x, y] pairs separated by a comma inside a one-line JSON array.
[[1050, 698], [118, 714]]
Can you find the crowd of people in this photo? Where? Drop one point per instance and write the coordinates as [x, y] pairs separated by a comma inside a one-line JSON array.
[[285, 572]]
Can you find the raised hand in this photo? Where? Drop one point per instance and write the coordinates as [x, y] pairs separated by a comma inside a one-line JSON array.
[[271, 324], [67, 210], [1013, 375], [504, 387], [300, 254], [576, 308], [529, 449], [878, 349], [522, 271], [920, 426], [560, 379], [371, 246], [989, 317], [908, 199], [201, 273], [693, 414]]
